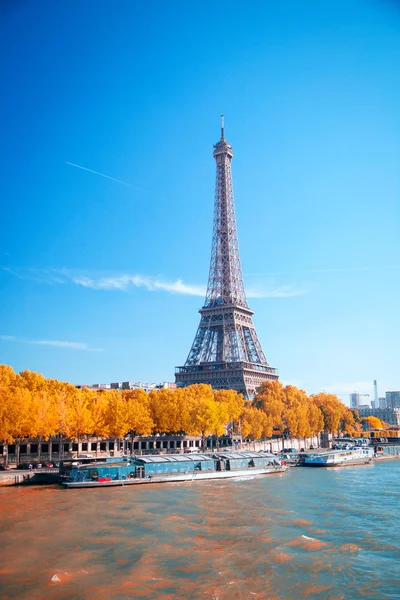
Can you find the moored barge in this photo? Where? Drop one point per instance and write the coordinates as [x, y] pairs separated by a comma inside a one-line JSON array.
[[339, 458], [172, 468]]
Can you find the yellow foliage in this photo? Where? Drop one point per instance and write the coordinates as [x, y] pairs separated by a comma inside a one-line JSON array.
[[32, 406]]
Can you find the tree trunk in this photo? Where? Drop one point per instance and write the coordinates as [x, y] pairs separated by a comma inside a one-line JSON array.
[[50, 448], [132, 436], [39, 448]]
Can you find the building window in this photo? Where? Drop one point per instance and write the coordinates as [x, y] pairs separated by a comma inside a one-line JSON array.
[[84, 447], [11, 449], [23, 449], [165, 444], [74, 447], [93, 446], [56, 448], [103, 446], [136, 445], [151, 445], [66, 447], [34, 448], [45, 448]]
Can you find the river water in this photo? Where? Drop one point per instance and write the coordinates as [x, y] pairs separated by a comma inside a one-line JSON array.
[[310, 533]]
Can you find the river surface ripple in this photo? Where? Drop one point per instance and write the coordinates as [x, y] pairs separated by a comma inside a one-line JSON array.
[[310, 533]]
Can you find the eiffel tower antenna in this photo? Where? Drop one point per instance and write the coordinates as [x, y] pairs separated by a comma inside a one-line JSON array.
[[226, 352]]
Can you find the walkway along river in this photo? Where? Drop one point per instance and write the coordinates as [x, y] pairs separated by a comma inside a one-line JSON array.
[[318, 534]]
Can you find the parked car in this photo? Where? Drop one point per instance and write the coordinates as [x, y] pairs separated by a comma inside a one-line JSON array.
[[289, 450], [37, 465], [4, 468]]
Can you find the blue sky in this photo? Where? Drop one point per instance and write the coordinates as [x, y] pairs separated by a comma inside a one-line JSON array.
[[101, 278]]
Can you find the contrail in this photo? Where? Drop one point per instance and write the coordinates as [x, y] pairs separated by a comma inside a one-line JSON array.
[[102, 175]]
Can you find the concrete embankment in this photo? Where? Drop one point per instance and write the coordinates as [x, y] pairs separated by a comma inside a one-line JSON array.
[[15, 477]]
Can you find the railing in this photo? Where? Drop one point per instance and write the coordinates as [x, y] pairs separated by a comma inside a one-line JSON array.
[[224, 366]]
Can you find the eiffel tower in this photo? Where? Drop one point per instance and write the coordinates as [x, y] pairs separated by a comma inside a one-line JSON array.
[[226, 352]]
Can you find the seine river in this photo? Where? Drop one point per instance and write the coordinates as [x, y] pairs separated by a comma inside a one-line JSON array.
[[309, 533]]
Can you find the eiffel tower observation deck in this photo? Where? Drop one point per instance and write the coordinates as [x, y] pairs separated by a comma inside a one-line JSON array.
[[226, 352]]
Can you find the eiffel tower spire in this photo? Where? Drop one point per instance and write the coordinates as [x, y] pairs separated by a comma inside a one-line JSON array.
[[226, 352]]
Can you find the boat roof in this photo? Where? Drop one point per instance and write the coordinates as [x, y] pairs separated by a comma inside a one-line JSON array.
[[165, 458], [238, 455]]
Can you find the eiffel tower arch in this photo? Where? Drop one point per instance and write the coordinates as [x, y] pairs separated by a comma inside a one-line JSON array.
[[226, 352]]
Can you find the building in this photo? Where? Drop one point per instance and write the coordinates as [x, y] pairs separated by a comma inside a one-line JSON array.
[[392, 399], [130, 385], [355, 400], [226, 352], [387, 415], [382, 402]]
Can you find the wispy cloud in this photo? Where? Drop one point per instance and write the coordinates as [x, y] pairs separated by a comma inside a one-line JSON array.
[[55, 343], [127, 281], [152, 284]]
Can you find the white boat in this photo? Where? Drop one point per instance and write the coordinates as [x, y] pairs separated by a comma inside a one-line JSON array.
[[339, 458]]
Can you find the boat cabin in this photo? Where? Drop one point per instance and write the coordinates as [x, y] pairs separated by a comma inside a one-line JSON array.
[[239, 461]]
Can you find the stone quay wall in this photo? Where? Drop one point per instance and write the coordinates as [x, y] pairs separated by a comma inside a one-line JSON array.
[[56, 450]]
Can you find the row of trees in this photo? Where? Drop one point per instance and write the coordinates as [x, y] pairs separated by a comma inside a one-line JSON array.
[[34, 407]]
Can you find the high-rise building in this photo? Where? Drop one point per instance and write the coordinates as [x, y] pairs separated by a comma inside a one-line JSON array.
[[392, 399], [375, 393], [391, 416], [382, 402], [354, 400], [226, 352]]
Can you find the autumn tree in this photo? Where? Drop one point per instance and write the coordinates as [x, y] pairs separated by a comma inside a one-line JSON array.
[[116, 415], [204, 415], [8, 382], [79, 419], [139, 420], [373, 422], [44, 407], [255, 423], [234, 403], [98, 406], [271, 399], [332, 410]]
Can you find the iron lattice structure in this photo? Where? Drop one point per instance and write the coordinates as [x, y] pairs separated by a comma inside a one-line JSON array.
[[226, 352]]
